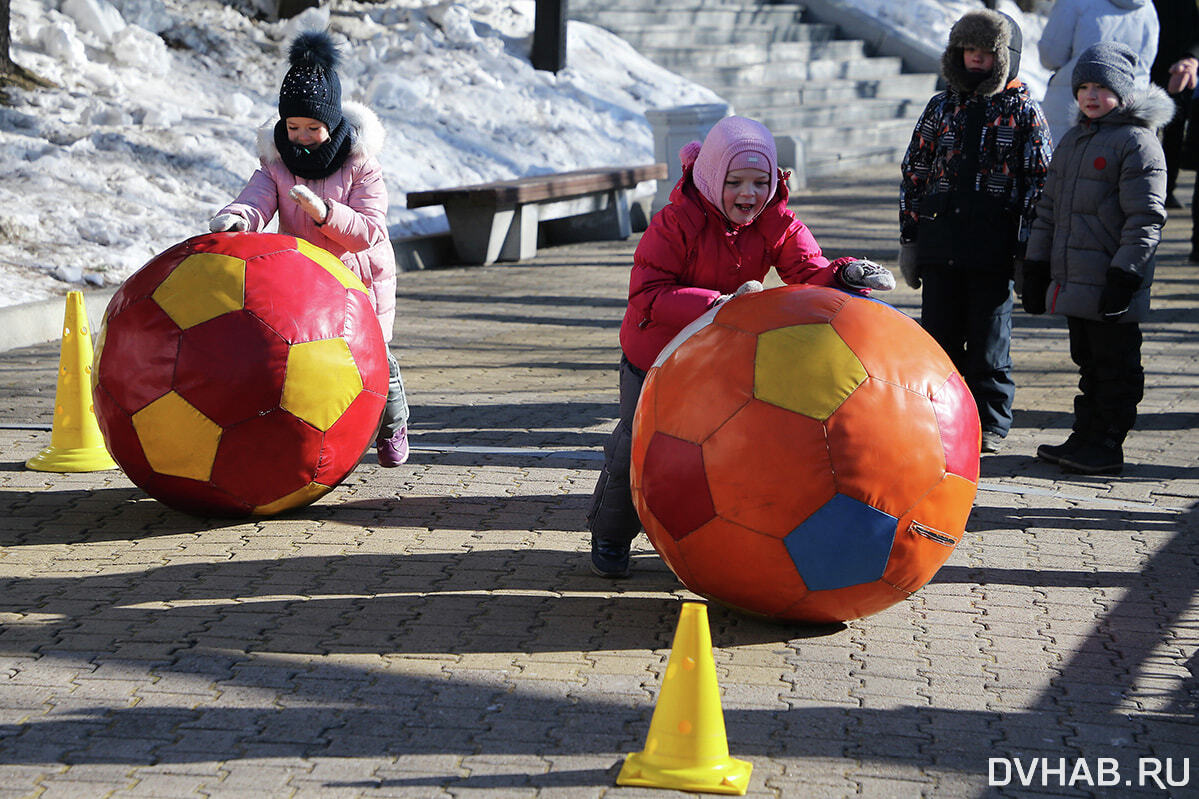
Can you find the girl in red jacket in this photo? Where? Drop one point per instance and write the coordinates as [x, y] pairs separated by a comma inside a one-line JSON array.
[[727, 223]]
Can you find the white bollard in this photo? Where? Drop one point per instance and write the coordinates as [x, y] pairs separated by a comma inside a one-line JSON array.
[[673, 128]]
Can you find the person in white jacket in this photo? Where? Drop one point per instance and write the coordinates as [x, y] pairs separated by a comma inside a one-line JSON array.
[[1075, 25]]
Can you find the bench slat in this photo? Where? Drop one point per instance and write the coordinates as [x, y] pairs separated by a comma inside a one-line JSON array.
[[537, 188]]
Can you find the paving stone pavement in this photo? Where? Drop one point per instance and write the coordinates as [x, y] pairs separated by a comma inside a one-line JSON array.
[[432, 630]]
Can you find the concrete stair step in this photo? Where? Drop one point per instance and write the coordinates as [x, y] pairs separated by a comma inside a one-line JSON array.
[[587, 6], [666, 36], [823, 163], [904, 86], [890, 132], [860, 112], [718, 78], [826, 101], [621, 19], [741, 54]]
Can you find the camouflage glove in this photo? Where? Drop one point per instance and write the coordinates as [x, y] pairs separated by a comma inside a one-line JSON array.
[[748, 287], [858, 274]]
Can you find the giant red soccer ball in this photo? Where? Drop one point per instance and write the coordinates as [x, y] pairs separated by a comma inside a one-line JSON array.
[[805, 454], [239, 374]]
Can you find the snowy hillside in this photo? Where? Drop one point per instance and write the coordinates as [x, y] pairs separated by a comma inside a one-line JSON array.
[[152, 128]]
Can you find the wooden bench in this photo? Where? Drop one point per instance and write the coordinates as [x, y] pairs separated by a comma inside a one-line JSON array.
[[498, 221]]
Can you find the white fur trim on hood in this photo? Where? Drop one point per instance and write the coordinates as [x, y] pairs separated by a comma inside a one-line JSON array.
[[366, 133]]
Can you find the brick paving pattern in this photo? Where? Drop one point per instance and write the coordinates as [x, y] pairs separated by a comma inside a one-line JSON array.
[[433, 631]]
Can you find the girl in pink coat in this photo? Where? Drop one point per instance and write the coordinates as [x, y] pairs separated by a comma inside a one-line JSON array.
[[319, 172], [726, 225]]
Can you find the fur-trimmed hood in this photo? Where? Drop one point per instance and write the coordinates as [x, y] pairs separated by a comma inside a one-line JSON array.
[[1148, 108], [986, 30], [366, 133]]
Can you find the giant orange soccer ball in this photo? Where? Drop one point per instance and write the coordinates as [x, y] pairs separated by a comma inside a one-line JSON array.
[[239, 374], [805, 454]]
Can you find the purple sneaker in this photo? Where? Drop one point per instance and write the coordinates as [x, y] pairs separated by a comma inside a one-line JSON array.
[[393, 451]]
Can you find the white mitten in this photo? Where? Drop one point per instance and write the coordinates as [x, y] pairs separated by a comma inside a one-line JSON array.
[[748, 287], [862, 274], [313, 206], [222, 222]]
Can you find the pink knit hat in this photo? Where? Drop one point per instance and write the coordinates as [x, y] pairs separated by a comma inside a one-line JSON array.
[[732, 143]]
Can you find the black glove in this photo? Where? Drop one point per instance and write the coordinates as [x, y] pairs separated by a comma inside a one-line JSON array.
[[907, 264], [1117, 293], [1036, 283]]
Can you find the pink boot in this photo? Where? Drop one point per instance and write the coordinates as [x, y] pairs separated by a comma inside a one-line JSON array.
[[393, 451]]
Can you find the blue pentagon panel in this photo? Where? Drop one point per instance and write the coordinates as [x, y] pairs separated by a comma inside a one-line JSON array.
[[845, 542]]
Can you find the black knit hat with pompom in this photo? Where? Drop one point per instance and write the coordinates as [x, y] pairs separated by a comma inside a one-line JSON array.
[[311, 87]]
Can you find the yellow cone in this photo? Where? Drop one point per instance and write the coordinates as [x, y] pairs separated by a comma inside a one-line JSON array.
[[75, 441], [686, 748]]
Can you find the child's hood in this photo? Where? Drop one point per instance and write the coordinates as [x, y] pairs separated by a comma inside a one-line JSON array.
[[367, 133], [1147, 108]]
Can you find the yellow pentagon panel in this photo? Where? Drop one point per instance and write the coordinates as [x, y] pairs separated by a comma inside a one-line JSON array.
[[806, 368], [321, 381], [178, 440], [296, 499], [332, 264], [202, 287]]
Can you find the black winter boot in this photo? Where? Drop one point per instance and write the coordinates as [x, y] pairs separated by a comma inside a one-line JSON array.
[[1095, 456], [1053, 453]]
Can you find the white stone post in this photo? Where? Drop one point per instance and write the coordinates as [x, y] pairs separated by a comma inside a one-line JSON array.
[[674, 127]]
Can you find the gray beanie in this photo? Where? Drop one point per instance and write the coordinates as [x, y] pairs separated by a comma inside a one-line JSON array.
[[1109, 64]]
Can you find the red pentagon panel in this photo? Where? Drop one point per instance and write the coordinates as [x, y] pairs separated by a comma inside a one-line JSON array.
[[675, 486], [242, 245], [761, 447], [886, 446], [926, 536], [194, 497], [141, 284], [781, 307], [295, 296], [911, 357], [666, 547], [744, 569], [120, 438], [704, 383], [957, 416], [267, 457], [225, 389], [346, 441], [367, 343], [137, 363], [841, 604]]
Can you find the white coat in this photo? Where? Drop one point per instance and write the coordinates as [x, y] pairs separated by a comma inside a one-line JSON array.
[[1075, 25]]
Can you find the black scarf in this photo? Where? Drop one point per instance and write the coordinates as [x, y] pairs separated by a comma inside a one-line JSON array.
[[972, 80], [314, 164]]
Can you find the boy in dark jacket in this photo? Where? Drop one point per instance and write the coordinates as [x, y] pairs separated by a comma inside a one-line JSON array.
[[1091, 253], [971, 178]]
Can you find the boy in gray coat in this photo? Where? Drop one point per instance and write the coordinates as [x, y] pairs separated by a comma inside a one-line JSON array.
[[1091, 251]]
